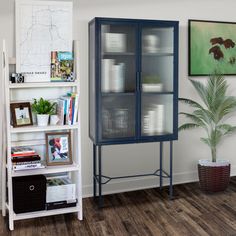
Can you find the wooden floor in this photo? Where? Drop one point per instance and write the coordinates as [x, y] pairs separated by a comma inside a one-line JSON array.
[[144, 213]]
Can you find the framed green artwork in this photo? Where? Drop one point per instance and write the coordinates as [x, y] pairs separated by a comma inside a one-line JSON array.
[[212, 47]]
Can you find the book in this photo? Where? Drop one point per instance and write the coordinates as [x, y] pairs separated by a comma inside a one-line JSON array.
[[28, 166], [62, 66], [61, 204], [73, 109], [60, 111], [76, 107], [24, 154], [27, 163], [22, 150], [17, 159]]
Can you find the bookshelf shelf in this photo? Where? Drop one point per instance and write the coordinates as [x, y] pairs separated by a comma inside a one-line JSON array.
[[42, 85], [46, 170], [36, 214], [35, 128]]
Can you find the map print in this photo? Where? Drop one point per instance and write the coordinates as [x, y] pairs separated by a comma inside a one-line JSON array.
[[41, 27]]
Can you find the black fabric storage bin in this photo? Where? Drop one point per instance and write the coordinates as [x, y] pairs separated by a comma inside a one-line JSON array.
[[29, 193]]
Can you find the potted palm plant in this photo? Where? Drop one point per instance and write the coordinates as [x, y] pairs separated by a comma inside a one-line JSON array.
[[210, 115], [43, 108]]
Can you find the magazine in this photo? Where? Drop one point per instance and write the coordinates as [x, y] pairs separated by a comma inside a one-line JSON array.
[[62, 67]]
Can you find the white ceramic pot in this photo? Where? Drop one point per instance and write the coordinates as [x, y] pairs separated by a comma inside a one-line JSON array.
[[42, 119]]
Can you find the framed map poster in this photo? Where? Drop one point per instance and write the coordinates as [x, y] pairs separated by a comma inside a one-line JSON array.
[[41, 27]]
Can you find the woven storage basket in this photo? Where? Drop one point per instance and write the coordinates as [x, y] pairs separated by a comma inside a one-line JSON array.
[[214, 178]]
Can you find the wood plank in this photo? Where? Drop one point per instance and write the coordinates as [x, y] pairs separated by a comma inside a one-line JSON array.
[[145, 212]]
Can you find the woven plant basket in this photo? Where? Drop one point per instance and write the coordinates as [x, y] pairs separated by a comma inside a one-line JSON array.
[[214, 178]]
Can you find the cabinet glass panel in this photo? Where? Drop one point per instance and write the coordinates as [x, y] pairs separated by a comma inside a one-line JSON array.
[[157, 59], [157, 114], [118, 67], [118, 116]]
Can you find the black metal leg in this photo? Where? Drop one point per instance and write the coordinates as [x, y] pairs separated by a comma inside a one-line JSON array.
[[161, 152], [94, 171], [171, 169], [100, 200]]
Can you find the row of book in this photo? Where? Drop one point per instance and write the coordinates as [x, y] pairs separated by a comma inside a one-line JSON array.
[[67, 109], [25, 158]]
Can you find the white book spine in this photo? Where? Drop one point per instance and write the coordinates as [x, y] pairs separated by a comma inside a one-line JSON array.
[[28, 166], [76, 108], [60, 111]]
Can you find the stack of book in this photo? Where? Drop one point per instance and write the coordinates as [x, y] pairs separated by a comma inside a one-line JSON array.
[[25, 158], [113, 76], [67, 109]]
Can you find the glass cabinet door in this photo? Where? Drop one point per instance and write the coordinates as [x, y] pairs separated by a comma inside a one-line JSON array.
[[117, 80], [157, 80]]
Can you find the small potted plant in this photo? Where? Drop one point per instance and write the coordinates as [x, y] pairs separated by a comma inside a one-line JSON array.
[[210, 115], [152, 83], [43, 108]]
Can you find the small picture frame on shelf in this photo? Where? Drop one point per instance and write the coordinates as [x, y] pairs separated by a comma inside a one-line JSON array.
[[21, 114], [58, 148]]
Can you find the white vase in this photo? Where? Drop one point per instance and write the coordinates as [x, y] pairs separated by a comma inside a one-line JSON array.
[[42, 119], [54, 119]]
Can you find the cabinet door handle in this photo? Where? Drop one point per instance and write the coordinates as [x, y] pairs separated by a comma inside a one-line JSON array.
[[138, 79]]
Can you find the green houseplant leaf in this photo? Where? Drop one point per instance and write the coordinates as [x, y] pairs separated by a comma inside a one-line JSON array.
[[210, 115], [43, 106]]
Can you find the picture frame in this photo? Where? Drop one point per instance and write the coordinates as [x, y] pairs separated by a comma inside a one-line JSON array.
[[21, 114], [36, 66], [212, 47], [58, 148]]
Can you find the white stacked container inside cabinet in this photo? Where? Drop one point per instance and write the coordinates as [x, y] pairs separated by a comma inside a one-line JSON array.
[[11, 137]]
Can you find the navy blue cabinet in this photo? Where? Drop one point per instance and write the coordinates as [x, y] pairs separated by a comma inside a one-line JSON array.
[[133, 81]]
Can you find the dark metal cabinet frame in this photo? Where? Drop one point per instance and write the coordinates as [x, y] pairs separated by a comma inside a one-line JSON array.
[[96, 97]]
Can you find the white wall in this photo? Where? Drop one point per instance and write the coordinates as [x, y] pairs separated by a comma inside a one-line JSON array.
[[141, 158]]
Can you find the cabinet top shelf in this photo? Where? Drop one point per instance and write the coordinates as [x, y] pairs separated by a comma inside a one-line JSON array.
[[42, 85], [158, 54], [118, 53]]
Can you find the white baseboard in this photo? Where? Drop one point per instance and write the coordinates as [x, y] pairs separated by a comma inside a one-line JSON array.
[[127, 185]]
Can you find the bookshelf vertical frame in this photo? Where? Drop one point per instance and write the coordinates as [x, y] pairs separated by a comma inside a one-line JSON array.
[[73, 170]]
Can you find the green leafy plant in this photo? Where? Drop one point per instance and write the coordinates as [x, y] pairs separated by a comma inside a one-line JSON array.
[[151, 79], [43, 106], [211, 115]]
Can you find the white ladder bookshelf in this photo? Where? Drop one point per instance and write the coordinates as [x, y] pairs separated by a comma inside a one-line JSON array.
[[73, 170]]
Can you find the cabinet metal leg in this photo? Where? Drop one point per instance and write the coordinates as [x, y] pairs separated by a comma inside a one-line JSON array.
[[161, 177], [100, 200], [100, 179], [94, 171], [171, 169]]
